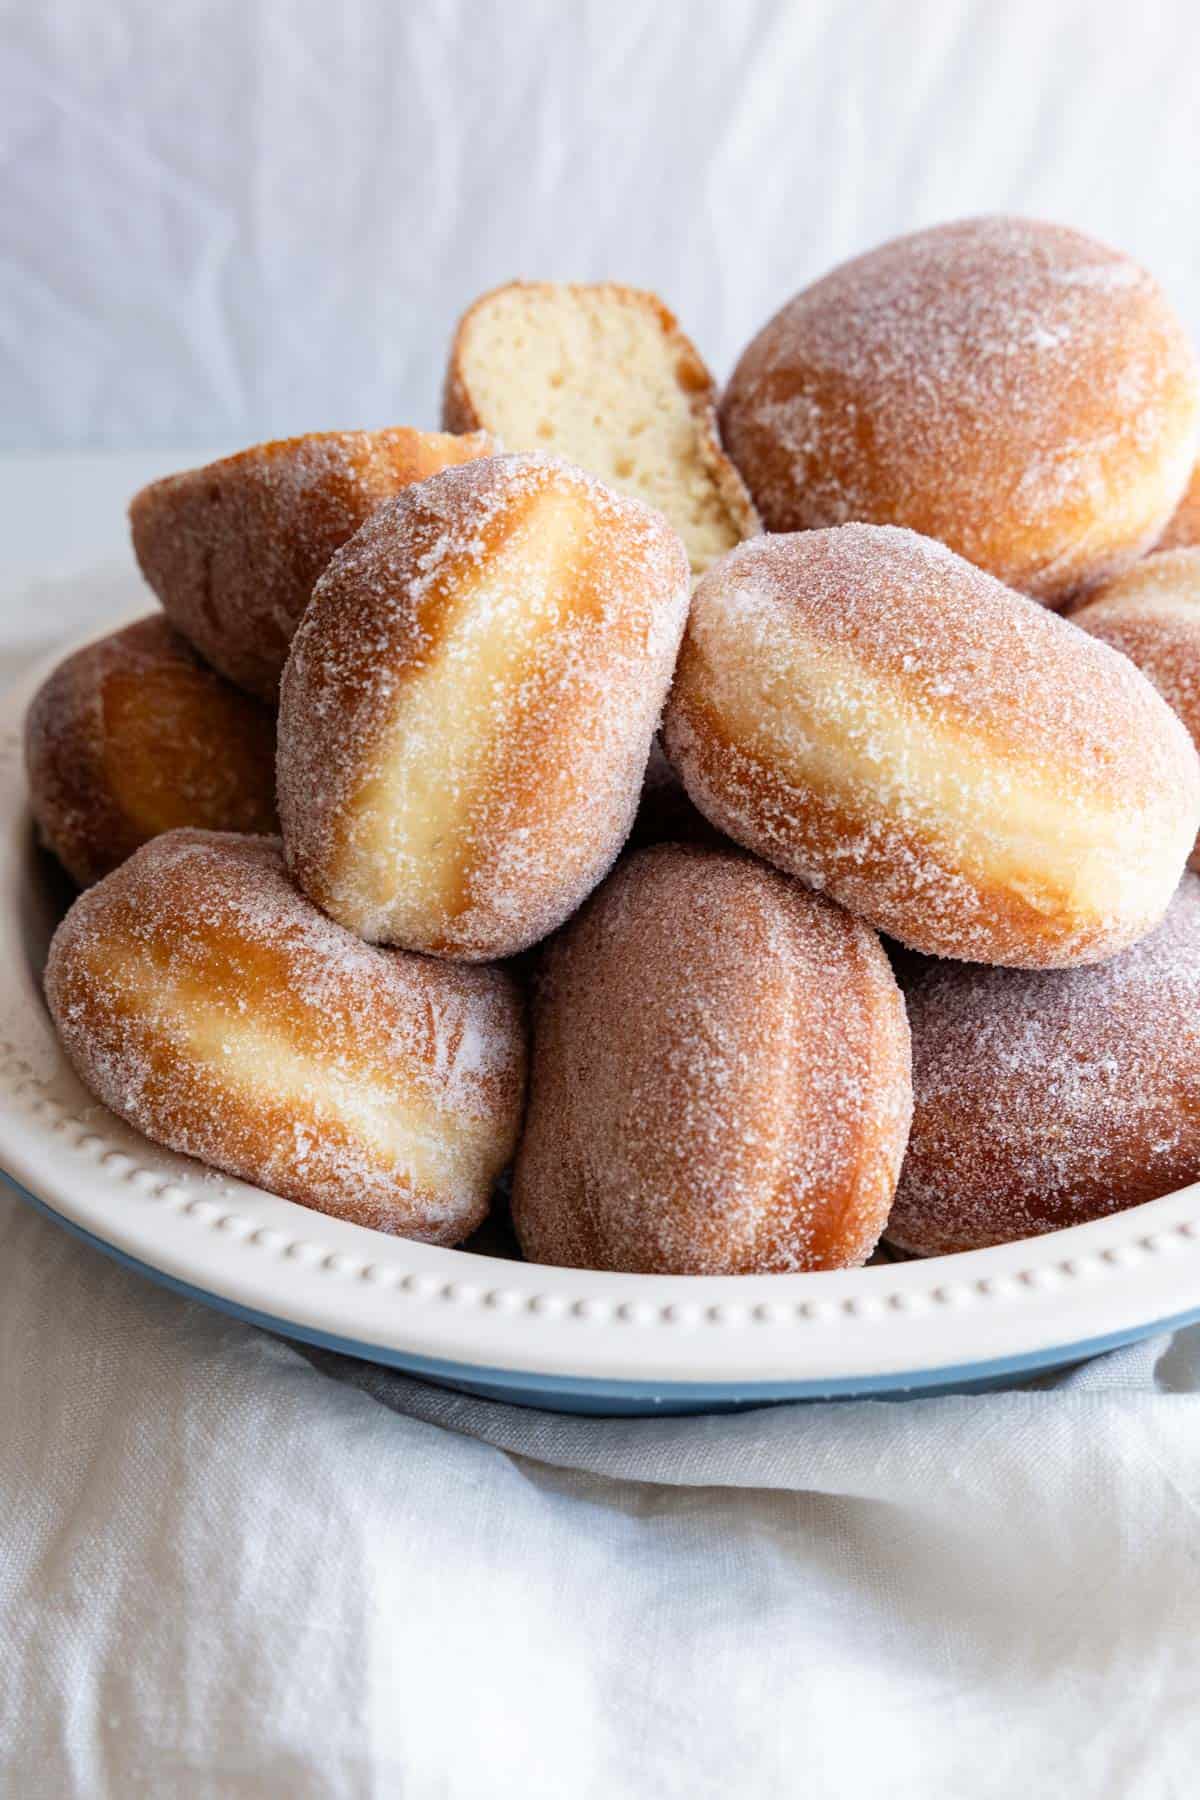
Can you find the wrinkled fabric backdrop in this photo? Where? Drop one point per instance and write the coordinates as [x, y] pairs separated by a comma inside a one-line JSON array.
[[228, 1568], [236, 218]]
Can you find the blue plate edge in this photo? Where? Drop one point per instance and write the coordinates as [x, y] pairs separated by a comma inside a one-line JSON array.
[[528, 1388]]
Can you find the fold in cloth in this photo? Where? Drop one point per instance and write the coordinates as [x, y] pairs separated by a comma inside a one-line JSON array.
[[232, 1568]]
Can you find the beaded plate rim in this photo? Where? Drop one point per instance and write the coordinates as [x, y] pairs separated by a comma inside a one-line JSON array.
[[1120, 1275]]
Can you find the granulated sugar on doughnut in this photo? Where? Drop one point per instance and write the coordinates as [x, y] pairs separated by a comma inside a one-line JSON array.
[[1152, 615], [133, 735], [1015, 389], [1184, 528], [1043, 1100], [720, 1077], [232, 550], [202, 998], [967, 771], [603, 376], [467, 713]]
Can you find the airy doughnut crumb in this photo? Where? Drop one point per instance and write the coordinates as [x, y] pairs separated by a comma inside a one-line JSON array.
[[603, 376], [1046, 1099], [205, 1001]]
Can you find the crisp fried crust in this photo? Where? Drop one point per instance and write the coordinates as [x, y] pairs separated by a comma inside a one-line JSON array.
[[956, 764], [1043, 1100], [133, 735], [202, 998], [1016, 390], [467, 712], [720, 1079], [232, 550]]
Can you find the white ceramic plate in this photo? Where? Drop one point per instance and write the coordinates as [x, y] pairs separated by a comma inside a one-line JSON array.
[[561, 1338]]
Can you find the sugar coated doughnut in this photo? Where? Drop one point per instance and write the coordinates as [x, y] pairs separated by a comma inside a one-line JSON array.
[[1184, 528], [1046, 1099], [134, 735], [232, 550], [468, 707], [962, 768], [1152, 615], [720, 1078], [202, 998], [1017, 390]]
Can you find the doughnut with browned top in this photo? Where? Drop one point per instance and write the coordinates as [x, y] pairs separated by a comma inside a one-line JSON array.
[[962, 768], [134, 735], [720, 1077], [1152, 615], [232, 550], [1015, 389], [467, 711], [202, 998], [1043, 1100]]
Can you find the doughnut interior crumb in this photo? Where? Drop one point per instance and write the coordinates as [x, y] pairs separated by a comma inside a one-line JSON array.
[[604, 377]]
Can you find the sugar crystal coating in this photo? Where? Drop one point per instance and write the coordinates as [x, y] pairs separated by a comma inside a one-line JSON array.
[[1043, 1099], [1152, 615], [1183, 530], [232, 550], [201, 997], [133, 735], [720, 1076], [1015, 389], [469, 705], [969, 772]]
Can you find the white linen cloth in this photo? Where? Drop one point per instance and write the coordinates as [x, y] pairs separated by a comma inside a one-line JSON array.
[[231, 1568], [226, 1572]]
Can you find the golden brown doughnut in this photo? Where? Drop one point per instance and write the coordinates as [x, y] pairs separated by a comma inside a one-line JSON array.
[[1017, 390], [962, 768], [134, 735], [720, 1078], [202, 998], [232, 550], [1046, 1099], [1184, 528], [1152, 615], [467, 710]]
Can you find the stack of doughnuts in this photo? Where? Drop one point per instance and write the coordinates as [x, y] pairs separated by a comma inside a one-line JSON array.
[[587, 874]]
